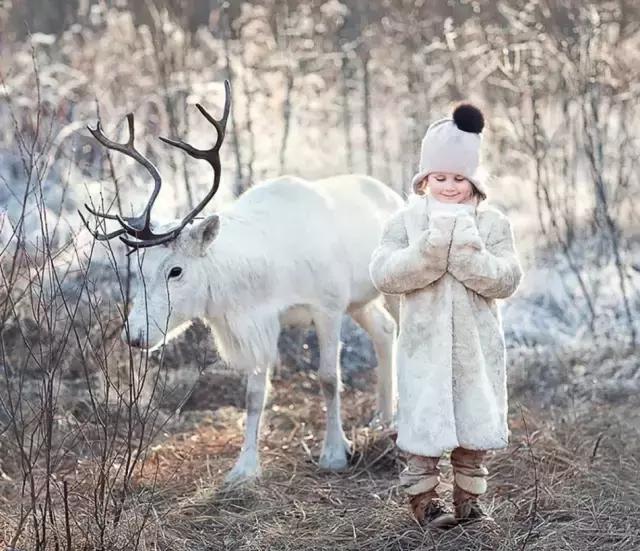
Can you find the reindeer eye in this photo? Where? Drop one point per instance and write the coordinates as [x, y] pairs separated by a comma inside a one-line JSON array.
[[175, 272]]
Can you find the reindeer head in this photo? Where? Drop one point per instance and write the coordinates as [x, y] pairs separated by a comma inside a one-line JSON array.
[[173, 274]]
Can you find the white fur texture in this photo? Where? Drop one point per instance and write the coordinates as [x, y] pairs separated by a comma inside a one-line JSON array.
[[287, 251], [451, 353]]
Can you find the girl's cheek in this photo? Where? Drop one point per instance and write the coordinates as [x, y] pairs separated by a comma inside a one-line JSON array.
[[466, 189]]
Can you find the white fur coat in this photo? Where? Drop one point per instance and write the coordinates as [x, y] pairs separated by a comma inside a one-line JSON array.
[[451, 355]]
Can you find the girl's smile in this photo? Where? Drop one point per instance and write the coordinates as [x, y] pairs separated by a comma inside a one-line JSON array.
[[448, 187]]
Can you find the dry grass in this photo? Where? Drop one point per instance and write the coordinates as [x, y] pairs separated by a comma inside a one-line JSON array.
[[568, 481]]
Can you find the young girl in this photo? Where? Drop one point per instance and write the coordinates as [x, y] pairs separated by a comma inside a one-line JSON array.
[[450, 258]]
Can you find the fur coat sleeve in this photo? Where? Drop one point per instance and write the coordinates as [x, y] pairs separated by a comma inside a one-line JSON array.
[[398, 266], [490, 269]]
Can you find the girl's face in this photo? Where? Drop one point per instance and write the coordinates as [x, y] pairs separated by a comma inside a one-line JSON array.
[[448, 187]]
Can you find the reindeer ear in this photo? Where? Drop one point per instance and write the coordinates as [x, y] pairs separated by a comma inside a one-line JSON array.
[[203, 234]]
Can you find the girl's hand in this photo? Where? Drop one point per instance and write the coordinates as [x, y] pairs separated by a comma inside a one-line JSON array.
[[466, 235], [438, 235]]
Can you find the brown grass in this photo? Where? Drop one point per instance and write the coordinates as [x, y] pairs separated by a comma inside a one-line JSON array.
[[568, 481]]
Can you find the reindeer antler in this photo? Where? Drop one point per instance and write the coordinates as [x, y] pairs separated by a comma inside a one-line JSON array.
[[139, 226], [212, 155]]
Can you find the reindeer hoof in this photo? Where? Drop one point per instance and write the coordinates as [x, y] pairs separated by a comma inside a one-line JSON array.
[[335, 457], [381, 421], [243, 472], [384, 427]]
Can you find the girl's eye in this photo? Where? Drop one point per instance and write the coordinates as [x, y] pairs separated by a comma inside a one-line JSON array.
[[460, 179], [440, 178], [175, 272]]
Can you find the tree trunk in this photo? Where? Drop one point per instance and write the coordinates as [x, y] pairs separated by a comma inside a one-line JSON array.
[[286, 115], [226, 33], [346, 112], [366, 111]]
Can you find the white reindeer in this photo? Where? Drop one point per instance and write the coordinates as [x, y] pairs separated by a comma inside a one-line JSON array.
[[287, 251]]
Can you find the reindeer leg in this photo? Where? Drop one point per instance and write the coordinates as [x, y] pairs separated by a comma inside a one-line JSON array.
[[247, 466], [336, 447], [381, 327]]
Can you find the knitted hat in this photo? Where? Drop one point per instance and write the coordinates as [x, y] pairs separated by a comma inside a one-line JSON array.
[[453, 145]]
